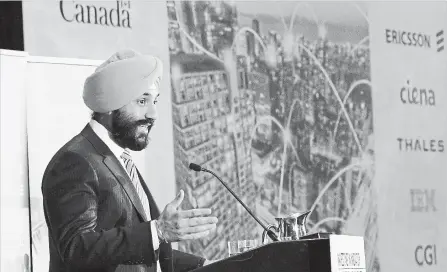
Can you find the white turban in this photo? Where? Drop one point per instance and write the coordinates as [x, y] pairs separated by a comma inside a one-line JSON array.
[[125, 76]]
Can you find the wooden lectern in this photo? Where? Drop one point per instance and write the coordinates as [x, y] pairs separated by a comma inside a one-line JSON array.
[[334, 253]]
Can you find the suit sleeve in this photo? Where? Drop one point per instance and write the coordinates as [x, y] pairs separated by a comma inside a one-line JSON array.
[[70, 191], [185, 262]]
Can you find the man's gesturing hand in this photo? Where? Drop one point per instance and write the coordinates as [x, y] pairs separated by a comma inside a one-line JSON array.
[[177, 225]]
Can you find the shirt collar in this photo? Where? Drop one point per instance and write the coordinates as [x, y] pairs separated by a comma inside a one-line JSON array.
[[103, 134]]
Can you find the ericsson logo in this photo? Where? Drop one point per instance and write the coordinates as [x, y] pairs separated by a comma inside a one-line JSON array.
[[415, 39], [440, 40]]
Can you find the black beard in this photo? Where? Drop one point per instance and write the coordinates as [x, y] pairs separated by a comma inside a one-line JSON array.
[[123, 131]]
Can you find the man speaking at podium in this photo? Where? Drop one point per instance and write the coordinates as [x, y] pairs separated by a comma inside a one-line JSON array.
[[100, 214]]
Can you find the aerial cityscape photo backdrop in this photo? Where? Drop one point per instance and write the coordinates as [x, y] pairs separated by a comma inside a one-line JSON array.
[[275, 97]]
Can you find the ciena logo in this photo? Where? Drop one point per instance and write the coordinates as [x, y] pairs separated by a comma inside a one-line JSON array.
[[415, 39], [98, 13]]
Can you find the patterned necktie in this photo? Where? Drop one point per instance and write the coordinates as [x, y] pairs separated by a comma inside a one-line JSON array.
[[132, 171]]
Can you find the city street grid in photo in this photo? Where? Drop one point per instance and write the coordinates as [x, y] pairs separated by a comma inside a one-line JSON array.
[[274, 97]]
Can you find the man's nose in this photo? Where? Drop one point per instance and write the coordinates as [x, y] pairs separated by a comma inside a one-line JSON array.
[[152, 113]]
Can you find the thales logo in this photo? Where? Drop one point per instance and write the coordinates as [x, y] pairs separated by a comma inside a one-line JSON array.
[[98, 13], [422, 40]]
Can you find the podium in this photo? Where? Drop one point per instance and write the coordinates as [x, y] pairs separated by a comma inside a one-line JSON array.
[[334, 253]]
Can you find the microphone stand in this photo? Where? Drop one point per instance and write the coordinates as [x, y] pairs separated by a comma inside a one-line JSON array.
[[270, 233]]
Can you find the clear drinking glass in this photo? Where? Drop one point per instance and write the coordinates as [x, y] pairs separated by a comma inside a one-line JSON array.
[[233, 248], [245, 245], [239, 246]]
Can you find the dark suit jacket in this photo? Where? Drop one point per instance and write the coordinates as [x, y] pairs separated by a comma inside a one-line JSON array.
[[95, 219]]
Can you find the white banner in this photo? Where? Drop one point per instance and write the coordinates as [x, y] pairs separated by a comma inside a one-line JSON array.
[[14, 205], [92, 29], [409, 93]]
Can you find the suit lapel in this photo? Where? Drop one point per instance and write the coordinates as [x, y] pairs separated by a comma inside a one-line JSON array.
[[119, 172], [116, 168]]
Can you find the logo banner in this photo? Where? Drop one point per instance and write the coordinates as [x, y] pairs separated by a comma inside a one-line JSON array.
[[410, 111]]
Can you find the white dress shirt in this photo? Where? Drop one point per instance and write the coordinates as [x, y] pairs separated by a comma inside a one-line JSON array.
[[103, 134]]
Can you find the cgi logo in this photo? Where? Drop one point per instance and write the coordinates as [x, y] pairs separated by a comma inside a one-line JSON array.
[[415, 39], [425, 255]]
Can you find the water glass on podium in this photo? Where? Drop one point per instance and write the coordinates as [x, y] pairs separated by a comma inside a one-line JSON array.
[[239, 246]]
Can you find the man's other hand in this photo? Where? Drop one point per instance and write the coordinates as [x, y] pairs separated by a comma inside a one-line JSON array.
[[176, 225]]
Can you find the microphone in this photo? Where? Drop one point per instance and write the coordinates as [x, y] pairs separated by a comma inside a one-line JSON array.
[[195, 167], [199, 168]]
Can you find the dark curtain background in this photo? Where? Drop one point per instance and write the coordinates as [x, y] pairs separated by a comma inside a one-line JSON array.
[[11, 25]]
